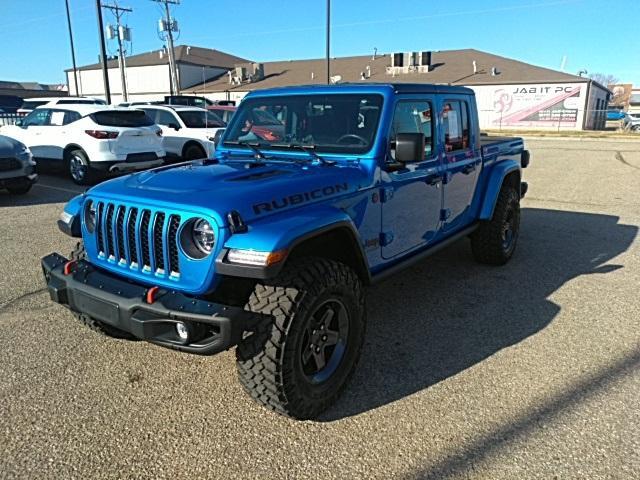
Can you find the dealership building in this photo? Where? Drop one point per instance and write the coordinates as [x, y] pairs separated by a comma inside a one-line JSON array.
[[510, 94]]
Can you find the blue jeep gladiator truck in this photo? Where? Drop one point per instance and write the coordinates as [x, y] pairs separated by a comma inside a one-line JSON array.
[[313, 193]]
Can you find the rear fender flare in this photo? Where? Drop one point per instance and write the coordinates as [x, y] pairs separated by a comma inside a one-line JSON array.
[[494, 183]]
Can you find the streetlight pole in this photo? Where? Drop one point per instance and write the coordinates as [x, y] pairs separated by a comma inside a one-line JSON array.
[[73, 51], [328, 41], [103, 50]]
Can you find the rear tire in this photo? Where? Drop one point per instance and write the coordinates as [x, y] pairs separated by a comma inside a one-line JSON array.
[[193, 152], [79, 253], [79, 168], [494, 241], [299, 357]]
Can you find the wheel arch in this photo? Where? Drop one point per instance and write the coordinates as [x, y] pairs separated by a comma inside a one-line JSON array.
[[70, 148], [328, 234], [506, 173]]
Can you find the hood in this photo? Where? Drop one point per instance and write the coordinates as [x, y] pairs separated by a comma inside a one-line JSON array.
[[219, 188], [9, 147]]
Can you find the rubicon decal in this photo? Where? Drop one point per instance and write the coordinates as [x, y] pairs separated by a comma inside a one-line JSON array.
[[298, 198]]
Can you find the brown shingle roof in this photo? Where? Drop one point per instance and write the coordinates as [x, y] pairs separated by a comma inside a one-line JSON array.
[[184, 54], [448, 66]]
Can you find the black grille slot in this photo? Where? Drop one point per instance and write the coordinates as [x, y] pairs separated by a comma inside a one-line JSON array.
[[109, 228], [131, 234], [158, 250], [7, 164], [172, 234], [144, 238], [120, 232], [99, 227]]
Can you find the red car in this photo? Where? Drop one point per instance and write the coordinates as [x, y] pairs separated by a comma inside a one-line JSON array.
[[265, 125]]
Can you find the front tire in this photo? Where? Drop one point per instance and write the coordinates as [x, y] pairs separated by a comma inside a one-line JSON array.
[[300, 356], [494, 241], [79, 168], [194, 152], [20, 188]]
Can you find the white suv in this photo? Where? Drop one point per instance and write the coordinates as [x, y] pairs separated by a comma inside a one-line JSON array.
[[187, 132], [89, 139], [30, 104]]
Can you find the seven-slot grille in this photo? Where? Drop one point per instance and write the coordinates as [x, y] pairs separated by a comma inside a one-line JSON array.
[[138, 238]]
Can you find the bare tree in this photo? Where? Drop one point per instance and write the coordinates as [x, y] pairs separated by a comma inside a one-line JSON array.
[[604, 78]]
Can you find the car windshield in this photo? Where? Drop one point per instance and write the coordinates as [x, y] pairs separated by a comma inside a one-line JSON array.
[[337, 123], [200, 119]]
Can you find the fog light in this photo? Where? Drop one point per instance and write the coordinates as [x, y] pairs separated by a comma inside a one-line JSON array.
[[182, 331]]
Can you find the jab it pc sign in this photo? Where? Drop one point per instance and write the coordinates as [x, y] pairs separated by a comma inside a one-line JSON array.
[[539, 105]]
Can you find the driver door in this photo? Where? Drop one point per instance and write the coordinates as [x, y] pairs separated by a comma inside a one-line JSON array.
[[412, 193]]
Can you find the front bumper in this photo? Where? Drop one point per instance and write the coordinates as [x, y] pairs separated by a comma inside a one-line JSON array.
[[212, 327], [20, 179]]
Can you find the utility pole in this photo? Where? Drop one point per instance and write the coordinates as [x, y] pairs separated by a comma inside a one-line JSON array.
[[103, 50], [170, 25], [121, 34], [73, 50], [328, 41]]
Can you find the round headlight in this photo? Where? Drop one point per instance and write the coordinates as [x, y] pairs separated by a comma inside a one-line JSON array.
[[203, 236], [90, 216]]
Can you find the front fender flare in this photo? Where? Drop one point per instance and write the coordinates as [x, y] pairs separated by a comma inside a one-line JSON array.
[[282, 232], [494, 183], [69, 222]]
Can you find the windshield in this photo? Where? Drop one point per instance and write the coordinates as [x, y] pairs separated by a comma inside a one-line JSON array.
[[332, 123], [200, 119]]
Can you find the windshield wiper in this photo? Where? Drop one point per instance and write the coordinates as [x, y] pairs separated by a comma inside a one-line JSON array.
[[310, 149], [258, 154]]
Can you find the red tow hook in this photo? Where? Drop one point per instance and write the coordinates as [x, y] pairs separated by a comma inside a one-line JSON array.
[[151, 294], [68, 266]]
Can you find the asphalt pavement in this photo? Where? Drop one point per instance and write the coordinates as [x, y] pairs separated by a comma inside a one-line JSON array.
[[531, 370]]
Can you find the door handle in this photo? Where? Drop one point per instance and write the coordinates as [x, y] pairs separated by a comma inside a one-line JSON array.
[[469, 168], [433, 179]]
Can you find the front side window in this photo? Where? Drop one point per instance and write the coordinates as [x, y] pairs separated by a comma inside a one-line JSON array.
[[412, 116], [341, 123], [455, 121], [37, 118]]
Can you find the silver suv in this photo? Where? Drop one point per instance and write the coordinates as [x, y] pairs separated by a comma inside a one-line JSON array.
[[17, 168]]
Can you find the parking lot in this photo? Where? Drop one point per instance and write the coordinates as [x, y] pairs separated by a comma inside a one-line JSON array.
[[531, 370]]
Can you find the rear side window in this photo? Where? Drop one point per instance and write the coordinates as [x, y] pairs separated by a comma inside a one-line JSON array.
[[455, 120], [130, 118]]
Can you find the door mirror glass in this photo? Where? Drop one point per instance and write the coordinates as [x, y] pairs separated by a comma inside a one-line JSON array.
[[18, 123], [410, 147], [218, 136]]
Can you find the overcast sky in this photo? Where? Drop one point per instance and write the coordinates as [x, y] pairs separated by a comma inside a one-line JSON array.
[[593, 34]]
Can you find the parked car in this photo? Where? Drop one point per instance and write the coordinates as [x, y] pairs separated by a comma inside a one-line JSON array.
[[225, 112], [631, 121], [30, 104], [17, 168], [187, 132], [615, 114], [269, 246], [90, 140]]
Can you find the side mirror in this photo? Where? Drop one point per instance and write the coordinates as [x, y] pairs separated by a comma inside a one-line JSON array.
[[218, 136], [18, 123], [175, 126], [409, 147]]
